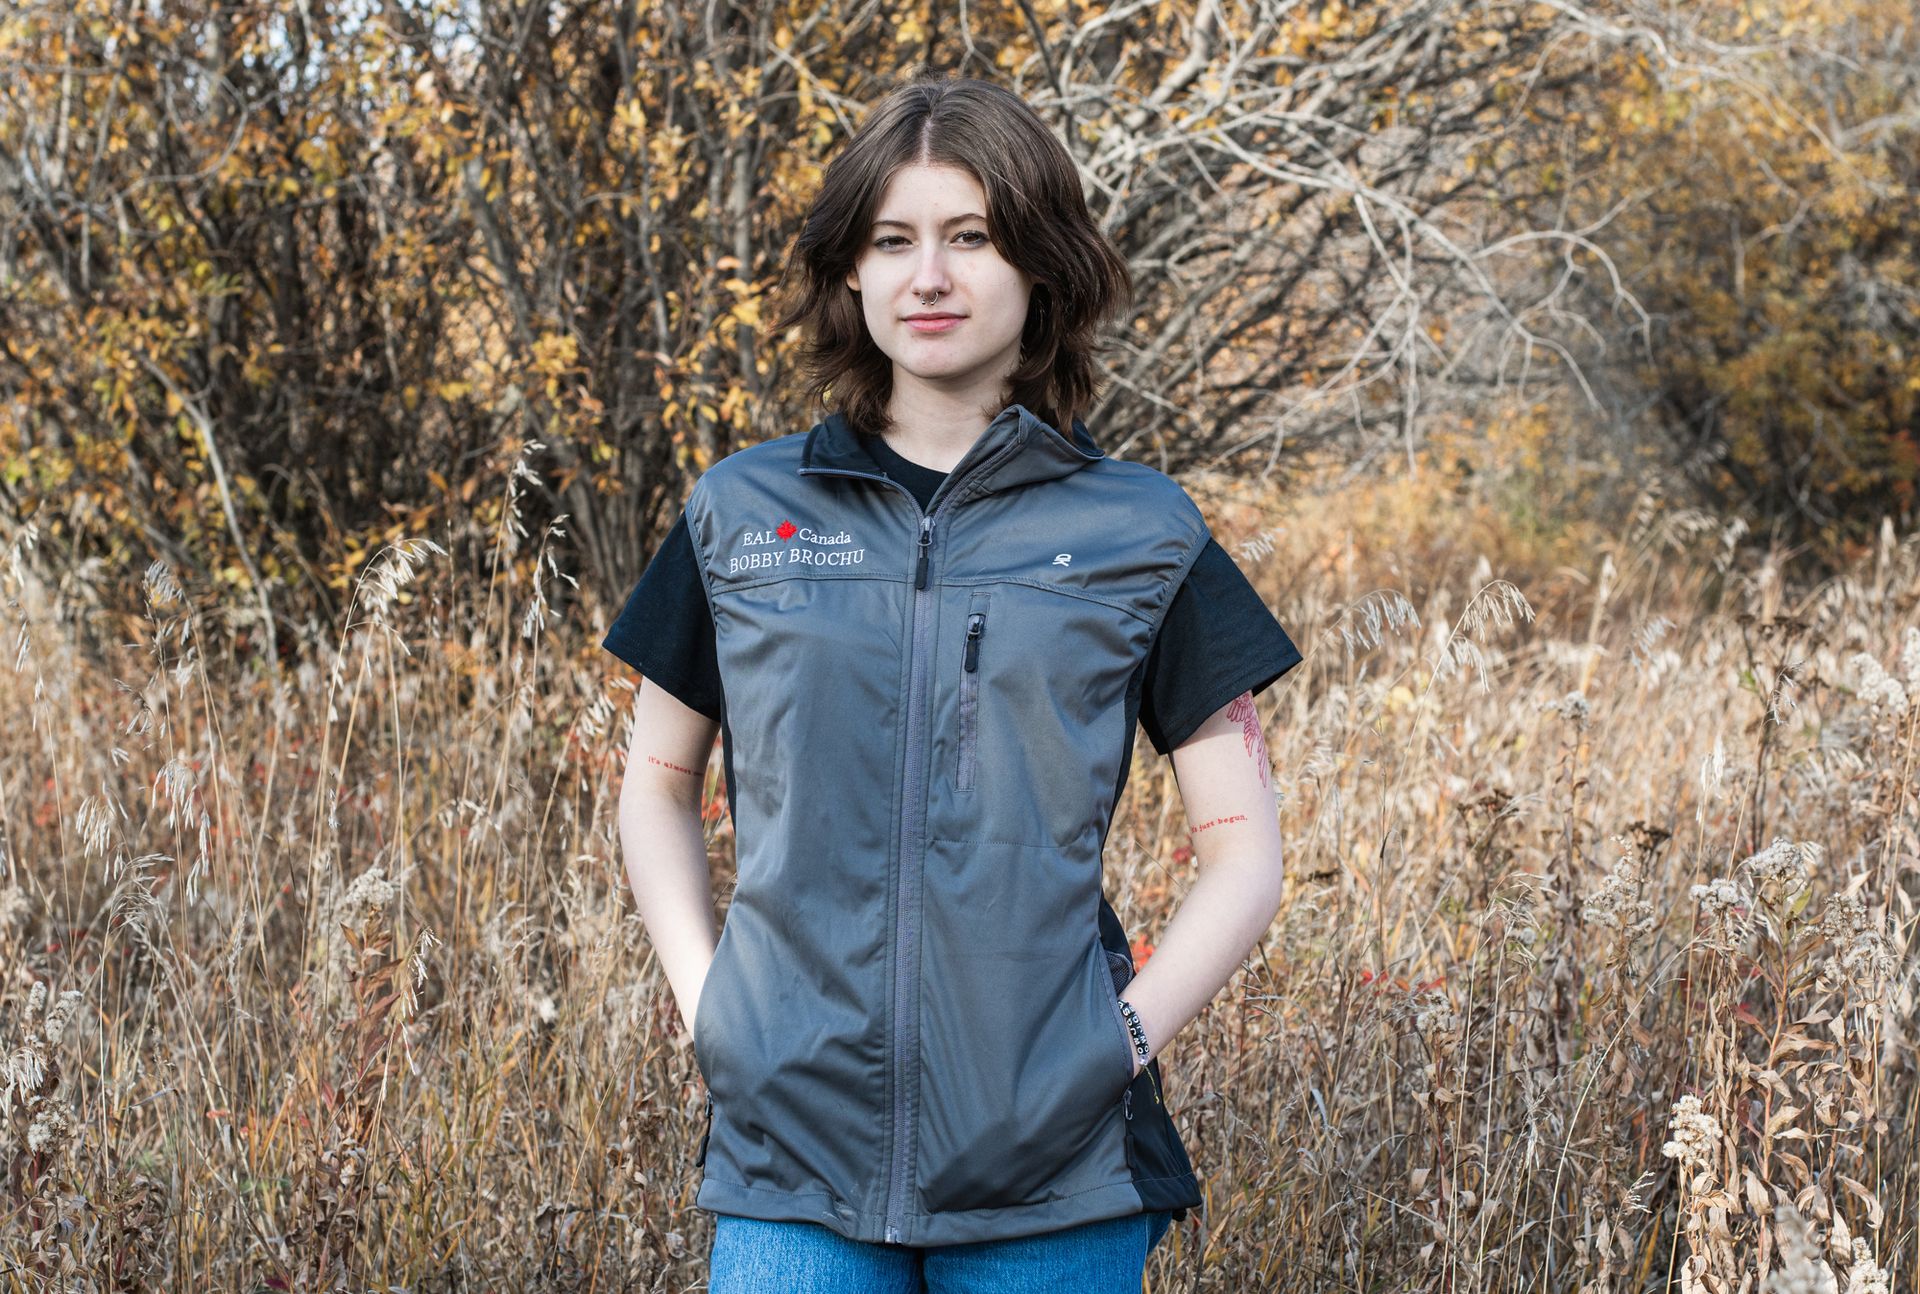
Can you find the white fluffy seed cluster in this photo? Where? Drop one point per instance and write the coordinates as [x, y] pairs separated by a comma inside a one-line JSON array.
[[1863, 959], [1727, 909], [50, 1131], [1864, 1275], [61, 1015], [1804, 1270], [1573, 707], [1694, 1136], [370, 890], [1617, 903], [1882, 690], [26, 1079], [1777, 874], [1784, 868], [1433, 1014]]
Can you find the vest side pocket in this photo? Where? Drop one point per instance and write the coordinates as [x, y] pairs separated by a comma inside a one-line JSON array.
[[1155, 1155], [970, 690], [706, 1021], [1162, 1170], [1116, 978]]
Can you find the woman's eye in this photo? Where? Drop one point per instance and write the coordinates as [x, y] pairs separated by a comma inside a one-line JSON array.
[[885, 242]]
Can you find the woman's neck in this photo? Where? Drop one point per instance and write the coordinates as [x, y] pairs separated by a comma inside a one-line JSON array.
[[934, 428]]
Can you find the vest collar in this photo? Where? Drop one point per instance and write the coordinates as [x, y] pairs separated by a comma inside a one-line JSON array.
[[1017, 448]]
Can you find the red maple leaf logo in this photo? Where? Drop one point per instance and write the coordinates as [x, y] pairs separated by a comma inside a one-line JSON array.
[[787, 530]]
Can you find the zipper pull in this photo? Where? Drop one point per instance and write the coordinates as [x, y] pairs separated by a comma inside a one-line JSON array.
[[701, 1157], [926, 542], [1126, 1103], [976, 625]]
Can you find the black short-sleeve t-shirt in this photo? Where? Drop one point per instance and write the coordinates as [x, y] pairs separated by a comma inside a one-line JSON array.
[[1217, 640]]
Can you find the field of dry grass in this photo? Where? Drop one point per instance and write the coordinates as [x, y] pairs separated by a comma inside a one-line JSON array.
[[1597, 970]]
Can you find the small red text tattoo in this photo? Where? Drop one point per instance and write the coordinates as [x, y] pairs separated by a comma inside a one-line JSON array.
[[1241, 711], [1216, 822], [664, 763]]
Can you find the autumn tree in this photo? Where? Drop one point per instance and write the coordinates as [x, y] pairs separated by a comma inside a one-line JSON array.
[[282, 284]]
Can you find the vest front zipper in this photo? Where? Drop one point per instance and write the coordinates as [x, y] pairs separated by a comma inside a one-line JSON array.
[[913, 822]]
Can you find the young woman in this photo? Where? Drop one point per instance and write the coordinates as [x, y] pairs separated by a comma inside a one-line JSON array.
[[925, 629]]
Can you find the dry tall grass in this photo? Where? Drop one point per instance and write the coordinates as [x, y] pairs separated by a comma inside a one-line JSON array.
[[1597, 970]]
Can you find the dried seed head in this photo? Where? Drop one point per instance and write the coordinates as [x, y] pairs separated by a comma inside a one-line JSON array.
[[1434, 1016], [13, 907], [1878, 688], [22, 1075], [62, 1012], [1695, 1137], [51, 1130], [1573, 707], [1863, 1275], [1802, 1270], [370, 891], [1783, 869], [1616, 901], [1713, 769], [162, 588], [391, 570], [1862, 959], [1727, 911], [1620, 905], [1382, 608]]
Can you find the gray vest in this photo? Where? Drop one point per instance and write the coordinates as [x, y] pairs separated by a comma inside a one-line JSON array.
[[911, 1029]]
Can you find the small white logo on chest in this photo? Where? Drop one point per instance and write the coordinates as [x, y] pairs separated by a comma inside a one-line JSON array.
[[1064, 559]]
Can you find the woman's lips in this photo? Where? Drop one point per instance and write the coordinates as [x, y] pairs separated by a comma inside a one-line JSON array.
[[940, 324]]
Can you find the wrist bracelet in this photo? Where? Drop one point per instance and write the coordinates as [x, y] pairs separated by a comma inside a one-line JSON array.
[[1137, 1030]]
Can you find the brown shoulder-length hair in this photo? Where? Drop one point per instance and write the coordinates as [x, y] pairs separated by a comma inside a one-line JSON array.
[[1036, 217]]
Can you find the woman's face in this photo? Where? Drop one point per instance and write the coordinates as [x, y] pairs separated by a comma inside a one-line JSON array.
[[930, 237]]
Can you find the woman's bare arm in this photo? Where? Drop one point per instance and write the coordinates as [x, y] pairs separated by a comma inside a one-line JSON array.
[[1226, 786], [662, 839]]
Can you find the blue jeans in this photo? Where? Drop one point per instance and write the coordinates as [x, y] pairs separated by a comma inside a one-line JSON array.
[[1105, 1257]]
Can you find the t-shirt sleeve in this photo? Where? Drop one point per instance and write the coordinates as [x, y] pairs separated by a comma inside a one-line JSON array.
[[666, 628], [1217, 640]]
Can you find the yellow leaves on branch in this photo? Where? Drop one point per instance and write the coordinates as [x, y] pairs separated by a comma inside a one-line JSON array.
[[746, 308], [632, 117], [555, 355], [467, 487], [1305, 32]]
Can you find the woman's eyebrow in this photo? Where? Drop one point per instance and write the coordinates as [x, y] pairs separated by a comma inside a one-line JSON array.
[[901, 224]]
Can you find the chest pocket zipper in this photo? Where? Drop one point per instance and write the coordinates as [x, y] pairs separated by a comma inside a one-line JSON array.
[[970, 691]]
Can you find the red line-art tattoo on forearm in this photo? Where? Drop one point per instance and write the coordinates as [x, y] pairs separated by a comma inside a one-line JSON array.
[[1216, 822], [678, 768], [1241, 711]]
